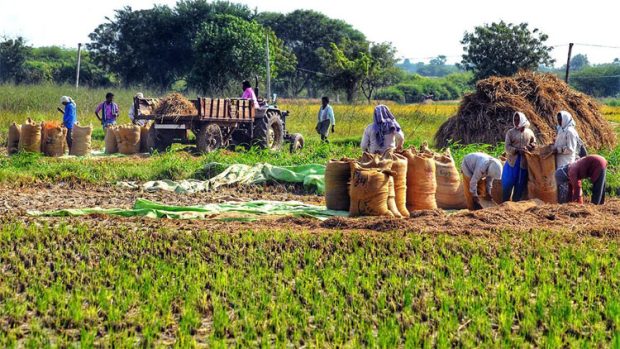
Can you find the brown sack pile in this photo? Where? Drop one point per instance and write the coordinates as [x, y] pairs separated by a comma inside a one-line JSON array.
[[337, 177], [399, 173], [54, 141], [111, 146], [128, 139], [382, 163], [541, 175], [13, 142], [369, 191], [450, 194], [421, 181], [81, 140], [30, 137]]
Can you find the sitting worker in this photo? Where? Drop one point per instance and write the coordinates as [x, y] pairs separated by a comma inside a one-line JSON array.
[[109, 111], [567, 142], [384, 133], [69, 118], [132, 111], [248, 93], [568, 179], [477, 167], [325, 119], [519, 140]]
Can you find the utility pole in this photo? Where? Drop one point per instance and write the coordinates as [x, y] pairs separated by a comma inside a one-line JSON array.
[[570, 50], [77, 70], [268, 83]]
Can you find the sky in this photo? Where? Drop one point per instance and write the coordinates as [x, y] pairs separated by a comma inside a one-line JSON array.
[[418, 29]]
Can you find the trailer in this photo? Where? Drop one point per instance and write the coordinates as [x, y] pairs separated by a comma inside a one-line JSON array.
[[218, 123]]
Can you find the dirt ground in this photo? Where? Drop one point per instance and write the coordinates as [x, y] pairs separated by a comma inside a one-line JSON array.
[[586, 219]]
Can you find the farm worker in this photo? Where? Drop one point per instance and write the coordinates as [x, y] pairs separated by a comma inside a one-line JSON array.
[[567, 142], [248, 93], [384, 133], [109, 111], [519, 140], [141, 122], [568, 179], [477, 167], [325, 119], [69, 117]]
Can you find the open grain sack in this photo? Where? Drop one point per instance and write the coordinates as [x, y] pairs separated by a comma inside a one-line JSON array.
[[111, 146], [450, 194], [54, 141], [541, 175], [482, 193], [81, 138], [128, 139], [369, 191], [337, 177], [144, 137], [13, 141], [30, 137], [421, 182], [399, 173]]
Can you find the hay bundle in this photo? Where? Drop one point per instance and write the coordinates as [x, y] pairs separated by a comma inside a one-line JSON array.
[[175, 104], [486, 115]]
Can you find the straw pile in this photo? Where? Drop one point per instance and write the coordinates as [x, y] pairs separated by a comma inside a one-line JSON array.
[[486, 115], [175, 104]]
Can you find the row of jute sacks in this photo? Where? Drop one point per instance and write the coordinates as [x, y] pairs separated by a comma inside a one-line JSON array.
[[49, 138], [126, 139], [396, 183]]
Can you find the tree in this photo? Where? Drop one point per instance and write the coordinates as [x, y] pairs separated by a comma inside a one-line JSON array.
[[13, 56], [601, 80], [381, 70], [502, 49], [579, 61], [346, 66]]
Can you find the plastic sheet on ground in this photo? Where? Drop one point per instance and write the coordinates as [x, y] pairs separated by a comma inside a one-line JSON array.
[[234, 211]]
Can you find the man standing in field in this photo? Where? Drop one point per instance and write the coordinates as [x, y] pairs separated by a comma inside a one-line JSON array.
[[109, 111], [69, 117], [325, 119]]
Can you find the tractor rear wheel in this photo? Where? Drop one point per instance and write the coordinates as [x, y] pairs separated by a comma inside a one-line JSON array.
[[208, 138], [269, 131]]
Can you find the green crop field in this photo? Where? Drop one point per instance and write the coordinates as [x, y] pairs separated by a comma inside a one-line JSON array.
[[98, 281]]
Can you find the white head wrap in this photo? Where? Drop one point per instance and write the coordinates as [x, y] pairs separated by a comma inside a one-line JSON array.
[[523, 121], [65, 99], [567, 120]]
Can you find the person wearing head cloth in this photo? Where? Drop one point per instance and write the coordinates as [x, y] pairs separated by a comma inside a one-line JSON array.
[[384, 133], [69, 118], [519, 140], [476, 167], [132, 116], [567, 142]]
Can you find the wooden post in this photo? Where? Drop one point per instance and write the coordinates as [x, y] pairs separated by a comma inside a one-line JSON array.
[[77, 70], [268, 69], [570, 50]]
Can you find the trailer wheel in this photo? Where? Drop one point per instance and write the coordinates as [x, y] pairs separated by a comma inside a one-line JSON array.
[[269, 131], [209, 138], [297, 142], [157, 141]]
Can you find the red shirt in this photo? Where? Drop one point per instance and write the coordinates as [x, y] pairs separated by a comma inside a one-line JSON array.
[[590, 167]]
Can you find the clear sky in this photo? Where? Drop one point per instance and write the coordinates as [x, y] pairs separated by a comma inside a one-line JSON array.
[[418, 29]]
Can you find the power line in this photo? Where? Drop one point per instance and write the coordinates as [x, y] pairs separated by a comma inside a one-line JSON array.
[[595, 45], [594, 76]]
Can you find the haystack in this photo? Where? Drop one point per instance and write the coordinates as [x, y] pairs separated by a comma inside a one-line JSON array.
[[486, 115], [175, 104]]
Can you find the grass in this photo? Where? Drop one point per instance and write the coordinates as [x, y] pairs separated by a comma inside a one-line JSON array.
[[78, 285]]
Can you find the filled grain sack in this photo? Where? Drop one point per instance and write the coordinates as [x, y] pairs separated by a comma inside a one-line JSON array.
[[450, 194], [13, 141], [111, 146], [368, 191], [81, 139], [399, 173], [128, 139], [144, 137], [54, 139], [392, 199], [30, 137], [541, 175], [337, 177], [421, 181]]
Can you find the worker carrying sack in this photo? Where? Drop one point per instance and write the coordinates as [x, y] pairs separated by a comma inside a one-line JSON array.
[[111, 146], [337, 177], [369, 190], [399, 173], [30, 137], [421, 181], [541, 175], [13, 141], [54, 141], [128, 139], [450, 194], [81, 140]]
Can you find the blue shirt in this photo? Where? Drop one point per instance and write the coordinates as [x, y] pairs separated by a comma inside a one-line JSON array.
[[70, 117]]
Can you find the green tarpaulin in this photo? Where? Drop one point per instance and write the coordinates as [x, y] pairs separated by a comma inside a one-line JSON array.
[[241, 211]]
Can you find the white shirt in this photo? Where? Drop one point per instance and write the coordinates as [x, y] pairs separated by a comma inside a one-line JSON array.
[[392, 140]]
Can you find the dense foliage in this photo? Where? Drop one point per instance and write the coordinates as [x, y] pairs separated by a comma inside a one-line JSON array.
[[415, 88]]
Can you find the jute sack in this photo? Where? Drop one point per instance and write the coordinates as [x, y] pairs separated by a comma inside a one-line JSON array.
[[144, 136], [54, 141], [337, 177], [450, 193], [399, 173], [81, 139], [13, 142], [128, 139], [392, 199], [30, 137], [421, 182], [482, 193], [111, 146], [368, 190], [541, 175]]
